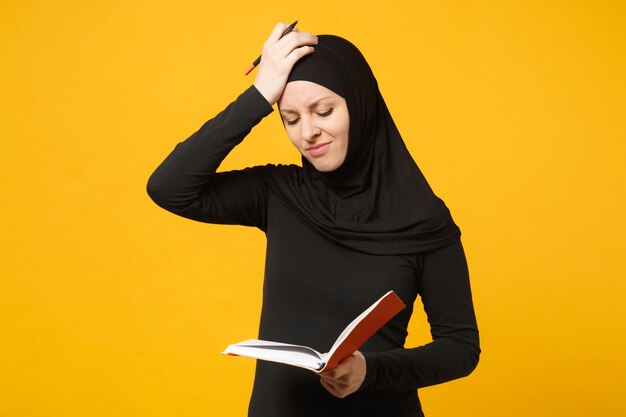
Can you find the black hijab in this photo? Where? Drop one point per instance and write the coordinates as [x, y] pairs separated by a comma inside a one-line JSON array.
[[377, 201]]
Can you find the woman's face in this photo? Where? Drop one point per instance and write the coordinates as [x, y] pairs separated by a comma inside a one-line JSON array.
[[317, 123]]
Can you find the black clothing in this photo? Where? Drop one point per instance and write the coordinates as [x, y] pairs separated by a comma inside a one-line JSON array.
[[314, 286], [377, 201]]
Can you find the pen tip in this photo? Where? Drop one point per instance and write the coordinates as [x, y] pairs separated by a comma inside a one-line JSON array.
[[249, 70]]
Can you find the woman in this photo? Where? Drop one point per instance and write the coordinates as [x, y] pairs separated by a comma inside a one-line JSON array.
[[356, 220]]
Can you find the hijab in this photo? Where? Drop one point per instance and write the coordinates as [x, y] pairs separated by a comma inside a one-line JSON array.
[[377, 201]]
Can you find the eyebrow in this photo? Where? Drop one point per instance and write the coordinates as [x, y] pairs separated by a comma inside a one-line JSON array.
[[311, 106]]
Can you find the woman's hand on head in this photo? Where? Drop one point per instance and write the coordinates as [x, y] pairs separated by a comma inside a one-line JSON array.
[[347, 377], [278, 58]]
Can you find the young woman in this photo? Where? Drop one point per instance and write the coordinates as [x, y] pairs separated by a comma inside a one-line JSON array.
[[356, 220]]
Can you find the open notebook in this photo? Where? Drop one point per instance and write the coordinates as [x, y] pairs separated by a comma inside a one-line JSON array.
[[353, 336]]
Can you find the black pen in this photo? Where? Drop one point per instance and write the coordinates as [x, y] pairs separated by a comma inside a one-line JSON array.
[[257, 61]]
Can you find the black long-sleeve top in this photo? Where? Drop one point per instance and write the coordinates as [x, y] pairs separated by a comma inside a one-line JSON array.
[[313, 288]]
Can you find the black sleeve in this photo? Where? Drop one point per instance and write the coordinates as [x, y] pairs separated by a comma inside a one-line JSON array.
[[454, 351], [186, 182]]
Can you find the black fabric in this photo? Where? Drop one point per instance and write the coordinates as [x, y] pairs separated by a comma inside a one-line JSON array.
[[313, 287], [377, 201]]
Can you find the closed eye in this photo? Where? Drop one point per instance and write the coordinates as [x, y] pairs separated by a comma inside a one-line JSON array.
[[326, 113], [292, 122]]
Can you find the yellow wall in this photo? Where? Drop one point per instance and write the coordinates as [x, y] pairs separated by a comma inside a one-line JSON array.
[[110, 306]]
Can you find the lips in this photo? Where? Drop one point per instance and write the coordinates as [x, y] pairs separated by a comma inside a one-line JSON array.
[[318, 149]]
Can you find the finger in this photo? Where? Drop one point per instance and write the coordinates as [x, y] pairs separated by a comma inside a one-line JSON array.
[[285, 46], [297, 54], [340, 382], [332, 383], [339, 392], [275, 35], [329, 378], [330, 388], [336, 373], [328, 374], [343, 368], [299, 38], [327, 386]]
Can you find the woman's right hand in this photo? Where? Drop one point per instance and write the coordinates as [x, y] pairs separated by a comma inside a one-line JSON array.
[[278, 58]]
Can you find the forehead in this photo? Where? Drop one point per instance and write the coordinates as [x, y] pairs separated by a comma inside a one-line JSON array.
[[304, 93]]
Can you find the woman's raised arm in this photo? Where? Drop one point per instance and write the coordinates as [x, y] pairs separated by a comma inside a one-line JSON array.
[[185, 183]]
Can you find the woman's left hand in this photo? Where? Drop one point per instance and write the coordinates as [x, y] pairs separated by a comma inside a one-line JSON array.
[[347, 377]]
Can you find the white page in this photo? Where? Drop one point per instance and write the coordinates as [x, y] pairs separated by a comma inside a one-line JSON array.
[[296, 355], [353, 324]]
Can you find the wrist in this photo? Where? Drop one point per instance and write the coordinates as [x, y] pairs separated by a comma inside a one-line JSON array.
[[370, 371], [268, 93]]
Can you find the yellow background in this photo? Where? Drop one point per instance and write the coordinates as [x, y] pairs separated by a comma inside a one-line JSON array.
[[110, 306]]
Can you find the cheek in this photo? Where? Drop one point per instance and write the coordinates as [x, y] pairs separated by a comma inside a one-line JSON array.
[[342, 118], [344, 134]]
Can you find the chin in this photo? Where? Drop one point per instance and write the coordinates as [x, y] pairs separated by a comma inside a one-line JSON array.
[[326, 166]]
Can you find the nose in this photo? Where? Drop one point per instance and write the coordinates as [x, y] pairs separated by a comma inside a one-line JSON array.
[[309, 129]]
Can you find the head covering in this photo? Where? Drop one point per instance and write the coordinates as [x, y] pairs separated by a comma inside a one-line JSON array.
[[377, 201]]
